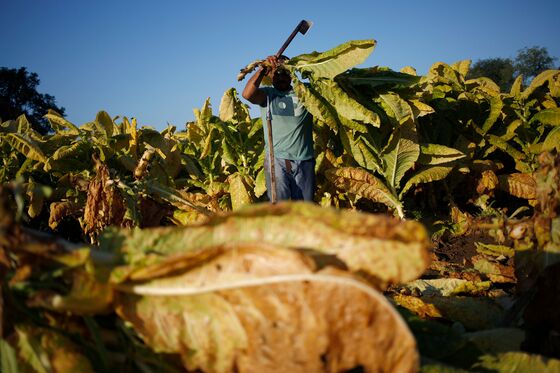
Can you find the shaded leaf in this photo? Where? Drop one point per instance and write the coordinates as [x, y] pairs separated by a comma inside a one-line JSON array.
[[250, 302], [401, 153], [426, 175]]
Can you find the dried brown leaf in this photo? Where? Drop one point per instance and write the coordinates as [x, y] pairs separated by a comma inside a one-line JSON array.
[[255, 309]]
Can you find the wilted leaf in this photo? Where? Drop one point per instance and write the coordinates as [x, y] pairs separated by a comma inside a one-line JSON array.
[[232, 109], [487, 182], [447, 286], [265, 310], [364, 184], [518, 185], [388, 250], [60, 210]]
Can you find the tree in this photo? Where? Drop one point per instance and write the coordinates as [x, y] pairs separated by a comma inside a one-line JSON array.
[[532, 61], [18, 95], [500, 70]]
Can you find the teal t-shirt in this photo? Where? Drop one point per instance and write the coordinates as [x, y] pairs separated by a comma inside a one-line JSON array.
[[292, 125]]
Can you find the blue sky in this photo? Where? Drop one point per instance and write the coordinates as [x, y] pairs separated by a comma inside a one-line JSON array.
[[156, 61]]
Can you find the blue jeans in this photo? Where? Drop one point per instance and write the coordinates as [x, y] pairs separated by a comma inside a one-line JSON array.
[[294, 179]]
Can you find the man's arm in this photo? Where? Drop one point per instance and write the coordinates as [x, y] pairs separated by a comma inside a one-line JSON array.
[[252, 92]]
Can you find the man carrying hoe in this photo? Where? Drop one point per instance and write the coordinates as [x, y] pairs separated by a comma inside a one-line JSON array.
[[292, 132]]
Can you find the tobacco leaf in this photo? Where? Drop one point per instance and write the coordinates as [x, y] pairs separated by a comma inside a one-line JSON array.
[[385, 249], [264, 309]]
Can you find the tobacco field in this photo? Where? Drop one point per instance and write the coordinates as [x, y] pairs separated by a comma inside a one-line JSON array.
[[433, 244]]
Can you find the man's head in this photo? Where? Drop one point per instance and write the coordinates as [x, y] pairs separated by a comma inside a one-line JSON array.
[[280, 76]]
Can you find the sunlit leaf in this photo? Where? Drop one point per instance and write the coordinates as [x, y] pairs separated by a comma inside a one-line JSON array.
[[334, 61], [548, 116], [426, 175], [25, 146], [433, 154]]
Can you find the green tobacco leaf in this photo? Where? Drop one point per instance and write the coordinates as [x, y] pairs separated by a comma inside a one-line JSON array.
[[483, 85], [540, 80], [334, 61], [251, 301], [374, 78], [517, 362], [462, 67], [433, 154], [426, 175], [25, 146], [552, 140], [239, 191], [496, 105], [401, 153], [419, 108], [364, 184], [320, 108], [61, 125], [44, 350], [396, 107], [547, 116], [104, 123], [260, 184], [345, 105], [8, 357], [517, 86], [443, 73], [387, 249]]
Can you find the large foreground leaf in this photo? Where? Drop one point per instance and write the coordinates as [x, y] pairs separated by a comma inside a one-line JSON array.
[[386, 249], [255, 309], [334, 61]]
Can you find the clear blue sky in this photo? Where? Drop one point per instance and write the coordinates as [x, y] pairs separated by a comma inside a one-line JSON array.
[[157, 60]]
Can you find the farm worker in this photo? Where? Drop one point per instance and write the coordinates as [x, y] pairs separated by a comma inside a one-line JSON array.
[[292, 132]]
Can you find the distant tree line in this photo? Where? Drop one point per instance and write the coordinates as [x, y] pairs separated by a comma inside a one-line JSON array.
[[529, 62], [18, 95]]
